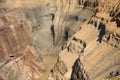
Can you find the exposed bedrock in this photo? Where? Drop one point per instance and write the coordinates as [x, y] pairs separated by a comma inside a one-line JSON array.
[[83, 34], [18, 59], [92, 53]]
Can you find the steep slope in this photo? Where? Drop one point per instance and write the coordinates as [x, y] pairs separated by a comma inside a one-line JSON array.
[[18, 59], [83, 34], [93, 52]]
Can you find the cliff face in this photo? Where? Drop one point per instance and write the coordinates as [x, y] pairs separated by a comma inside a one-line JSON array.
[[92, 53], [18, 59], [85, 33]]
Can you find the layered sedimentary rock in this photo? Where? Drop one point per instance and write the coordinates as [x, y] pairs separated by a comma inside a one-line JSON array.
[[99, 59], [85, 33], [18, 59]]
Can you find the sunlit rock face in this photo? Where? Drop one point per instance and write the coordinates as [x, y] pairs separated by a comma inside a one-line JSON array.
[[18, 58], [99, 58], [83, 34]]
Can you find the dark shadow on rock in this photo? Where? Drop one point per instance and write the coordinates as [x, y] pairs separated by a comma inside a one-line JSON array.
[[113, 74], [66, 33], [102, 29], [95, 4], [53, 16], [79, 2], [86, 4], [53, 33], [77, 73], [115, 18], [118, 22], [76, 18], [112, 14]]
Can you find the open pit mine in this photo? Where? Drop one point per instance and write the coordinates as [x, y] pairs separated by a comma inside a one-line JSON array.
[[59, 39]]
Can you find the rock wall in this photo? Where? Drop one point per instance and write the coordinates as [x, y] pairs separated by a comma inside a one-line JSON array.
[[85, 33], [18, 58], [98, 38]]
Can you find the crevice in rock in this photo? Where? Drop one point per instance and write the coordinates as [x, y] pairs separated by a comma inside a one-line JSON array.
[[102, 29], [53, 33], [78, 72], [113, 74]]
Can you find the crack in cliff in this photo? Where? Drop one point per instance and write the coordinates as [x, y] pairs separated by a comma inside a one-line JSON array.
[[78, 71]]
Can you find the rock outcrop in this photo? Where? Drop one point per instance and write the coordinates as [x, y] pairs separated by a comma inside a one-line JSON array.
[[18, 58], [76, 46], [84, 34], [96, 44], [78, 72], [59, 71]]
